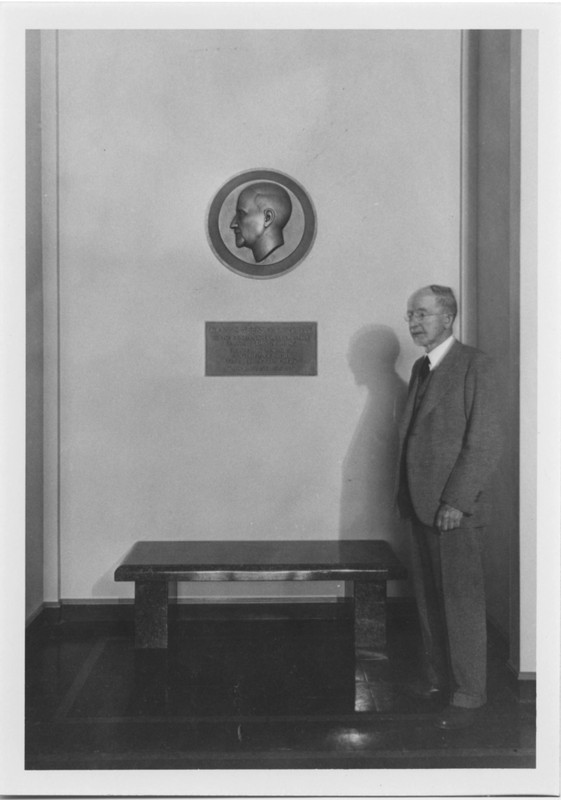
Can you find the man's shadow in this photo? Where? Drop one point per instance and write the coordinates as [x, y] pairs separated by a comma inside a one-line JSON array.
[[370, 467]]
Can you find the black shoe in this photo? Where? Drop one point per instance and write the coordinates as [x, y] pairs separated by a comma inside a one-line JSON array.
[[423, 691], [454, 718]]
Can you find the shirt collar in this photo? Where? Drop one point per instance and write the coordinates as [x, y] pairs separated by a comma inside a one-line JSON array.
[[435, 356]]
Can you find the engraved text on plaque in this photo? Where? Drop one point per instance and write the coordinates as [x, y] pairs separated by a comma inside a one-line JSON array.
[[261, 348]]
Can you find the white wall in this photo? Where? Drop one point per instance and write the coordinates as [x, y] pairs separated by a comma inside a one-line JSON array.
[[150, 125]]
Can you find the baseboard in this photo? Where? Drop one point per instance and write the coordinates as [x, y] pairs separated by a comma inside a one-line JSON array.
[[122, 610], [519, 674], [30, 618]]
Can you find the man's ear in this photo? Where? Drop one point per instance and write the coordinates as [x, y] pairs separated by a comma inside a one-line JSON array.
[[269, 215]]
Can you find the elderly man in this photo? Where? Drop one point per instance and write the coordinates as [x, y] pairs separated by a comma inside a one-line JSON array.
[[450, 445], [262, 211]]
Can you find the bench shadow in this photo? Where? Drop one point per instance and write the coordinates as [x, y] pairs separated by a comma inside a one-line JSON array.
[[369, 469]]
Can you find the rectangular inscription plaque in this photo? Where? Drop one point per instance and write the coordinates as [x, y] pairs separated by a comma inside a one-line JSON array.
[[261, 348]]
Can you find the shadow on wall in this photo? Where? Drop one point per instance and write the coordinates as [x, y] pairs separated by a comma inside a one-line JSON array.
[[370, 466]]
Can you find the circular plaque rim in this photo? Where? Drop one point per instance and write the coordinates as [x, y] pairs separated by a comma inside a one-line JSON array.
[[238, 265]]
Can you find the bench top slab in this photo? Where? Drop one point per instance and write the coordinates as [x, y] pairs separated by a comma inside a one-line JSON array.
[[261, 560]]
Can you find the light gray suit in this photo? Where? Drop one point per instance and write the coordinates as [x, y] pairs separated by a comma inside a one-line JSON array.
[[448, 450]]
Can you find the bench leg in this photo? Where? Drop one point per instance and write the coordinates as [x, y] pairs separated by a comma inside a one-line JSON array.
[[150, 614], [370, 617]]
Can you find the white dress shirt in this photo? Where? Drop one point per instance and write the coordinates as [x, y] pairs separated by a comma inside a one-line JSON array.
[[435, 356]]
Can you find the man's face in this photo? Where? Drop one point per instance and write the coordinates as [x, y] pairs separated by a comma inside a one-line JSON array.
[[249, 221], [430, 325]]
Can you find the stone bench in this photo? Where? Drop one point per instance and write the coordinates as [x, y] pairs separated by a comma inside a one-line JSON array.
[[367, 564]]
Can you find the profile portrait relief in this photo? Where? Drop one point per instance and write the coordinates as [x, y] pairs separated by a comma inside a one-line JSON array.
[[261, 224], [262, 211]]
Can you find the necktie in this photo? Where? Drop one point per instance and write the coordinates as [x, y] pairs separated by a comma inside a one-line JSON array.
[[422, 381], [424, 371]]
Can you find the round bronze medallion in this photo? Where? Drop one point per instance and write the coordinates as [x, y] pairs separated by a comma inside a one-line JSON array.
[[261, 224]]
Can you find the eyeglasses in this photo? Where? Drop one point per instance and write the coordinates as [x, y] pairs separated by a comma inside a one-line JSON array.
[[419, 316]]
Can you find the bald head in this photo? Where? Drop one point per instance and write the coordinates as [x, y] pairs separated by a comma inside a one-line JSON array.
[[443, 296], [271, 196]]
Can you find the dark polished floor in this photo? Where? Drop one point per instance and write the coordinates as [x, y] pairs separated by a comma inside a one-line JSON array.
[[253, 689]]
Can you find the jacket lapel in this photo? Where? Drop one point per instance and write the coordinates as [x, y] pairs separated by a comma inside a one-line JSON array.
[[444, 378]]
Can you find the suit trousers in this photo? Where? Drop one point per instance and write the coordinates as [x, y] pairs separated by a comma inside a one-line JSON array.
[[449, 586]]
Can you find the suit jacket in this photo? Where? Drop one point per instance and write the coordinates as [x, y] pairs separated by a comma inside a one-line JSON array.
[[449, 451]]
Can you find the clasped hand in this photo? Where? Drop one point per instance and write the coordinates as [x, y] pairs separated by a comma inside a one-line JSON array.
[[448, 518]]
